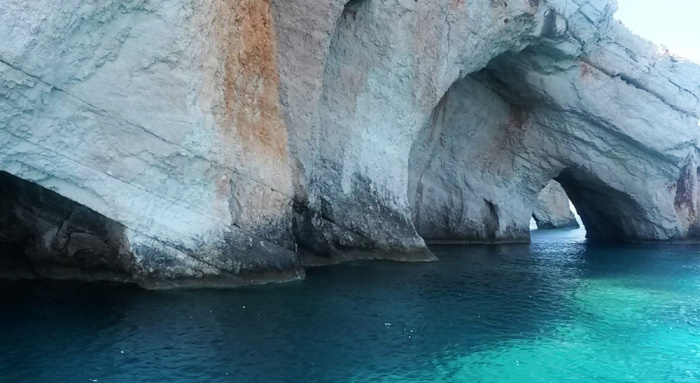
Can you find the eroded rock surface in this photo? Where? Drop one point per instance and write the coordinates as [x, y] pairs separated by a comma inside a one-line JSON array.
[[552, 210], [583, 105], [163, 116], [236, 140]]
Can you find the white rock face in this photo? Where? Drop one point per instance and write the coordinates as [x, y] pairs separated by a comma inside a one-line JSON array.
[[235, 140], [386, 67], [163, 116], [580, 116], [552, 210]]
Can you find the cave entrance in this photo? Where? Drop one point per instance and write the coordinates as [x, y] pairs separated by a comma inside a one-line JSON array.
[[606, 213], [554, 210], [602, 211], [494, 140], [46, 235]]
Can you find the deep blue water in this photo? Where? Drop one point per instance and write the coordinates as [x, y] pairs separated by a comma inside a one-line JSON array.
[[559, 310]]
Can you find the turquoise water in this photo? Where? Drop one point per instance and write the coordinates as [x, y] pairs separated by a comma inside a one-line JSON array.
[[559, 310]]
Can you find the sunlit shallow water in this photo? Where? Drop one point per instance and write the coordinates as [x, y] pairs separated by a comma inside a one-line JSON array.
[[559, 310]]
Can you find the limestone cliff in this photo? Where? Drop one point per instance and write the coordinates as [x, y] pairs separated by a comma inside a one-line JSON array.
[[552, 210], [231, 142], [589, 105], [160, 115]]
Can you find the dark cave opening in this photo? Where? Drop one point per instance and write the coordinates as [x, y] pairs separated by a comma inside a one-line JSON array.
[[606, 213], [46, 235], [351, 8]]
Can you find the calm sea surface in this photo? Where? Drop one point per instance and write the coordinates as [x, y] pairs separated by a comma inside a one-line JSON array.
[[559, 310]]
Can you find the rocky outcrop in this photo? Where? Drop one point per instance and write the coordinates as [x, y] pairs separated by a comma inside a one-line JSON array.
[[162, 116], [234, 141], [552, 210], [582, 106]]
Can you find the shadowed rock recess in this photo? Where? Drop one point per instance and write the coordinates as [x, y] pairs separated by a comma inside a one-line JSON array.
[[230, 142]]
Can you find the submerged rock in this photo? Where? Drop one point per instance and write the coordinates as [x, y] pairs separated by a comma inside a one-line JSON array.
[[234, 141], [552, 210]]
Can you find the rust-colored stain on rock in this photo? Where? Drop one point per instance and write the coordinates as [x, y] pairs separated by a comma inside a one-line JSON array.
[[247, 42]]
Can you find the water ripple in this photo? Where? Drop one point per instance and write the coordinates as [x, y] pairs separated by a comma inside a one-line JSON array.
[[558, 310]]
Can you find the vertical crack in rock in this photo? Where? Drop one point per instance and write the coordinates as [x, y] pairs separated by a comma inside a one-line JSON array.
[[491, 220], [687, 195]]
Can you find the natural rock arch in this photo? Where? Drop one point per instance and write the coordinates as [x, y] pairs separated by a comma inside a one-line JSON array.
[[235, 137], [501, 134]]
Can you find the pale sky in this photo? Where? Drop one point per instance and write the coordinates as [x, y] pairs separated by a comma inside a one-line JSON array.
[[673, 23]]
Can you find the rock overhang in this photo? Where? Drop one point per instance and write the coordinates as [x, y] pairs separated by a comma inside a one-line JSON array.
[[317, 154]]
